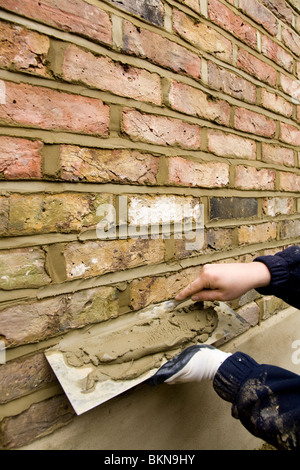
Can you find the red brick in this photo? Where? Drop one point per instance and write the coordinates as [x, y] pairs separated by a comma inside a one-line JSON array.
[[289, 134], [102, 73], [24, 50], [256, 67], [200, 174], [280, 8], [49, 109], [260, 14], [230, 145], [160, 50], [291, 87], [232, 23], [292, 40], [20, 158], [289, 181], [276, 53], [202, 36], [194, 102], [276, 103], [250, 121], [230, 83], [105, 165], [76, 16], [160, 130], [279, 155], [253, 178]]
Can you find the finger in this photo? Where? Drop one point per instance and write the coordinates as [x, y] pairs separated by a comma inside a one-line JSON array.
[[208, 295], [193, 288]]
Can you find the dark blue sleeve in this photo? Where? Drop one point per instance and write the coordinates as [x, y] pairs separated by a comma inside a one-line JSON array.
[[264, 398], [285, 275]]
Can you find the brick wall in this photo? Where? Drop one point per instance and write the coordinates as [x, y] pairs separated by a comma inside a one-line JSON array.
[[165, 102]]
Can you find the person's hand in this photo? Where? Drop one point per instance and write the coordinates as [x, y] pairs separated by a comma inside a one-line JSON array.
[[226, 281], [194, 364]]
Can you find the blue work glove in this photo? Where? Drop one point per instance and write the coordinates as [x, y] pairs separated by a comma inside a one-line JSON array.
[[194, 364]]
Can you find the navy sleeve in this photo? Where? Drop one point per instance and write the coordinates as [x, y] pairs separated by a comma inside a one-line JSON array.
[[264, 398], [285, 275]]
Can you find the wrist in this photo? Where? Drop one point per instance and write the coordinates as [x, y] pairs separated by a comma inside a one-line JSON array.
[[262, 274]]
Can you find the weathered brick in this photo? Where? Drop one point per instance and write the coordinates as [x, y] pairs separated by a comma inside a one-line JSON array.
[[105, 165], [256, 67], [22, 268], [94, 258], [281, 9], [150, 10], [230, 145], [160, 50], [219, 239], [253, 178], [37, 421], [230, 83], [276, 154], [273, 51], [202, 36], [291, 87], [232, 207], [23, 376], [192, 101], [31, 322], [24, 50], [276, 103], [193, 4], [103, 73], [4, 213], [160, 130], [290, 229], [289, 181], [250, 313], [201, 174], [278, 205], [255, 123], [260, 14], [20, 158], [289, 134], [291, 40], [46, 213], [49, 109], [257, 233], [232, 23], [76, 16]]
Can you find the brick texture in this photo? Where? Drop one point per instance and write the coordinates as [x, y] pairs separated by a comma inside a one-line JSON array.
[[121, 124]]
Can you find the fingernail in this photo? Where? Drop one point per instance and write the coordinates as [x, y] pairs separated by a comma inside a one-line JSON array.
[[195, 298]]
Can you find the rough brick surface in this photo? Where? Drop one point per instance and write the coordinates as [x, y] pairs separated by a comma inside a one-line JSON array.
[[190, 173], [20, 158]]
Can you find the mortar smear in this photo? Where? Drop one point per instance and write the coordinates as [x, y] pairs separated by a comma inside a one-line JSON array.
[[145, 343]]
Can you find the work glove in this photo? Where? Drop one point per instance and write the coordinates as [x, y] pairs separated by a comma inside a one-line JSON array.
[[194, 364]]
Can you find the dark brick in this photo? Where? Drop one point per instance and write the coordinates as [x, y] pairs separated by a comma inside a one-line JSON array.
[[232, 207], [150, 10]]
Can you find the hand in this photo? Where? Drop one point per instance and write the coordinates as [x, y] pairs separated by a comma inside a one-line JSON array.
[[226, 281], [194, 364]]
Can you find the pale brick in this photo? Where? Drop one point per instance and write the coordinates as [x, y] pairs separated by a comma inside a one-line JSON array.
[[230, 83], [278, 206], [160, 50], [105, 165], [202, 36], [103, 73], [276, 103], [289, 134], [76, 16], [161, 130], [250, 313], [290, 229], [290, 87], [255, 123], [20, 158], [192, 101], [253, 178], [23, 50], [49, 109], [289, 181], [276, 53], [261, 233], [230, 145], [260, 14], [22, 268], [279, 155], [190, 173], [291, 40], [94, 258]]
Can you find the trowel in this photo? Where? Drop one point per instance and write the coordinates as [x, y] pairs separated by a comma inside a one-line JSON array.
[[73, 378]]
